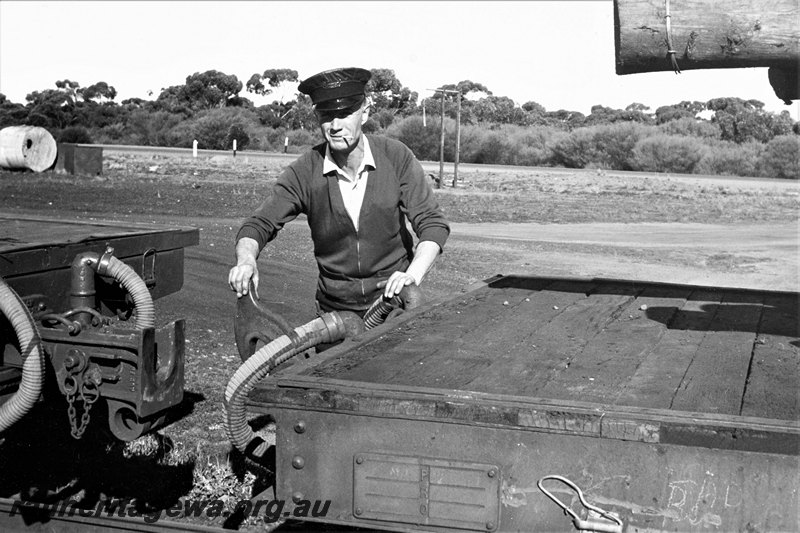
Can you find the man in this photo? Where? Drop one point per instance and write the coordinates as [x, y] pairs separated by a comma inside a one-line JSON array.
[[357, 192]]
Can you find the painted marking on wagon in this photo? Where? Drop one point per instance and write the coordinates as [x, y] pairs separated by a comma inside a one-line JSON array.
[[688, 501], [686, 506]]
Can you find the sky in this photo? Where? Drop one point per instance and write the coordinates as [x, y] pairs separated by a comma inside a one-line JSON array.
[[558, 54]]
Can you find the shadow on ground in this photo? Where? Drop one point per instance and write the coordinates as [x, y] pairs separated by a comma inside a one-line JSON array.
[[40, 461]]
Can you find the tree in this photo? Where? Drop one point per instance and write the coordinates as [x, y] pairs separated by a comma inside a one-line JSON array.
[[97, 91], [301, 114], [423, 141], [274, 77], [745, 120], [636, 106], [388, 94], [601, 115], [216, 129], [666, 153], [564, 119], [172, 101], [467, 87], [70, 88], [469, 90], [134, 103], [54, 104], [534, 108], [57, 105], [606, 146], [606, 115], [152, 128], [240, 101], [691, 127], [255, 85], [238, 133], [93, 115], [683, 109], [207, 90], [12, 114], [75, 134], [781, 157], [270, 115], [498, 109]]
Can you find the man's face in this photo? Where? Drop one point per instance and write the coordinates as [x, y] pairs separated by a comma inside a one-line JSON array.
[[342, 128]]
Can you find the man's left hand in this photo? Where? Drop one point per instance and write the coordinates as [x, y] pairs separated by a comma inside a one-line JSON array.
[[395, 283]]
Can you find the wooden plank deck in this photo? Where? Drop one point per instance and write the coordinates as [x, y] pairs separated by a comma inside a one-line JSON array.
[[21, 232], [614, 343]]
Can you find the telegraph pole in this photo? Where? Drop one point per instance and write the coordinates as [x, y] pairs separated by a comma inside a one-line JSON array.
[[441, 148], [444, 92], [458, 139]]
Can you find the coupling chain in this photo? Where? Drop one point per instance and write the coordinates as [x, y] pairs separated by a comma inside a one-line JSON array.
[[89, 395]]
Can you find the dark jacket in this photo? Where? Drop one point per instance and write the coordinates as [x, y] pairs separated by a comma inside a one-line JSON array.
[[351, 262]]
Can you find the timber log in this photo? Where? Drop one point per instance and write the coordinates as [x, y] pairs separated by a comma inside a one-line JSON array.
[[708, 35]]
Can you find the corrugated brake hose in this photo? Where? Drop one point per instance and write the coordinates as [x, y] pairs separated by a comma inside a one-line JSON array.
[[30, 387], [330, 327], [108, 265]]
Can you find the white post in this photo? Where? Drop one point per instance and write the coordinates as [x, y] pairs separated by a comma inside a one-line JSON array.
[[234, 148], [423, 115], [194, 148], [285, 144]]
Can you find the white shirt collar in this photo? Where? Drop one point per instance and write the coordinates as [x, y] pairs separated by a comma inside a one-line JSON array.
[[329, 165]]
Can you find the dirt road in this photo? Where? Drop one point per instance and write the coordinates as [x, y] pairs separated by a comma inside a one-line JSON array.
[[763, 256]]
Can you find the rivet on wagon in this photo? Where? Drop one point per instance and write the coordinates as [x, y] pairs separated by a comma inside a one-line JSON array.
[[300, 427], [489, 525], [358, 511], [297, 497], [492, 472], [298, 462], [359, 460]]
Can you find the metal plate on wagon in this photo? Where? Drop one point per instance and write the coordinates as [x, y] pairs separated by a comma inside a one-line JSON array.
[[421, 490]]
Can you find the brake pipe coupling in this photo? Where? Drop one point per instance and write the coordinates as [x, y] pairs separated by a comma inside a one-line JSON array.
[[109, 266], [610, 524], [103, 263]]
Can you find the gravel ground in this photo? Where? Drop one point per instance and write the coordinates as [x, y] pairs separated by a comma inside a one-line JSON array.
[[546, 223]]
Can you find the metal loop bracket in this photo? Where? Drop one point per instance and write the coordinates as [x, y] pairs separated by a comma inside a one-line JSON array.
[[612, 524], [149, 275]]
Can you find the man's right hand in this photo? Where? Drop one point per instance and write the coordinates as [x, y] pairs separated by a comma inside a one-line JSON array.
[[240, 276], [246, 270]]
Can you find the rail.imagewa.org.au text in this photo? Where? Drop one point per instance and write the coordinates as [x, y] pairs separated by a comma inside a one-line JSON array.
[[269, 510]]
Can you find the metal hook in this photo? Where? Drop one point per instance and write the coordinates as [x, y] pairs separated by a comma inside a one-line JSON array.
[[583, 525]]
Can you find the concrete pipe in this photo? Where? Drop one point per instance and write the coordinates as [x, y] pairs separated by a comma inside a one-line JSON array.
[[27, 147]]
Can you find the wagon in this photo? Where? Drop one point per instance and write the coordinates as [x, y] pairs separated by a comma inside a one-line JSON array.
[[664, 406], [85, 286]]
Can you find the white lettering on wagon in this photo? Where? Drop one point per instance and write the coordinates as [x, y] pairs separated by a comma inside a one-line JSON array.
[[688, 501]]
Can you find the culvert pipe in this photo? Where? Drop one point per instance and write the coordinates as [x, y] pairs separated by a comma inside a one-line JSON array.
[[27, 147]]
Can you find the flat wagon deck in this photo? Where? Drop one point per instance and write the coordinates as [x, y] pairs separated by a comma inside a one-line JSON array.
[[36, 252], [675, 407]]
